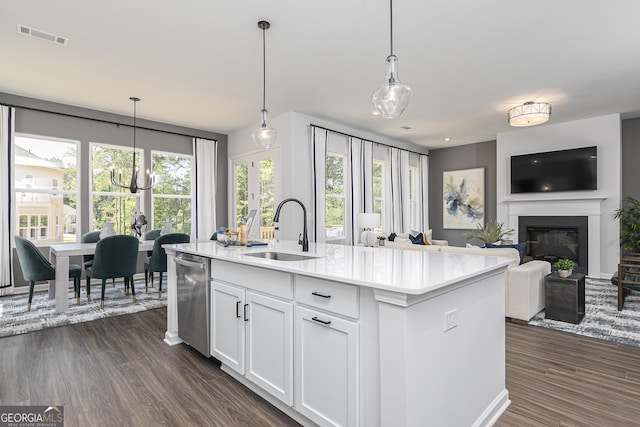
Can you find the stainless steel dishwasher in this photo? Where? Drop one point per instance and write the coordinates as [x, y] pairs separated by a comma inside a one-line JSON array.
[[194, 312]]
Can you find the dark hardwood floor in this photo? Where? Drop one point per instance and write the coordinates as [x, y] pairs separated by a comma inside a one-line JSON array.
[[118, 371]]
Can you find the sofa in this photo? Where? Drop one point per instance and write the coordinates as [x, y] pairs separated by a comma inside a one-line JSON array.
[[524, 283]]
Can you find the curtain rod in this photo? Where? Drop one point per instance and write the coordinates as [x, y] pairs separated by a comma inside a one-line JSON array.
[[103, 121], [365, 139]]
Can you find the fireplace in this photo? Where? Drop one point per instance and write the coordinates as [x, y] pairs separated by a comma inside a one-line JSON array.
[[550, 238]]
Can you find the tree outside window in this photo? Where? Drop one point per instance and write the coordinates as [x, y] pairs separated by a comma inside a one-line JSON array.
[[172, 193], [334, 196]]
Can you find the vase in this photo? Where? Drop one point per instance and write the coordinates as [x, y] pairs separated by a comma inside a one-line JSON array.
[[565, 273], [380, 242], [107, 229], [167, 228]]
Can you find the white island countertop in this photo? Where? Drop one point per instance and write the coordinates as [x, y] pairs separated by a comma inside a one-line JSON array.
[[408, 271]]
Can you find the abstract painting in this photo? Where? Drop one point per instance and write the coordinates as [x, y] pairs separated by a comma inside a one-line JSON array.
[[463, 194]]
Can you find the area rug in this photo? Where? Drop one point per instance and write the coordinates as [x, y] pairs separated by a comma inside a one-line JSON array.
[[15, 320], [602, 320]]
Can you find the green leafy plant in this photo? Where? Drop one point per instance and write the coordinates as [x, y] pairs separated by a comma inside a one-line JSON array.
[[629, 216], [382, 237], [564, 264], [490, 232]]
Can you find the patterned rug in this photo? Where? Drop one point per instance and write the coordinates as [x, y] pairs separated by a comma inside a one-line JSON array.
[[602, 320], [15, 320]]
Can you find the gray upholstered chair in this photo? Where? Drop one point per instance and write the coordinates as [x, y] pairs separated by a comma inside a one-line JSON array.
[[35, 268], [116, 256], [90, 237], [157, 262]]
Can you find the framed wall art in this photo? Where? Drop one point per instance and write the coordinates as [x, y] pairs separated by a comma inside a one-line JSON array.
[[463, 198]]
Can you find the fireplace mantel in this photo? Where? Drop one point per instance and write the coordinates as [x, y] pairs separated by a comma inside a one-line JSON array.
[[589, 206]]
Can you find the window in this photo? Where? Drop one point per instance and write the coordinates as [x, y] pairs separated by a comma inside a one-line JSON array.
[[41, 164], [108, 201], [334, 196], [254, 183], [378, 191], [172, 193]]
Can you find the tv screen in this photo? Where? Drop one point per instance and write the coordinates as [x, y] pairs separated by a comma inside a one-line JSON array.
[[564, 170]]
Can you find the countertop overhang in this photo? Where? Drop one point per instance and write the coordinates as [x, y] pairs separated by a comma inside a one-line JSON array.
[[407, 271]]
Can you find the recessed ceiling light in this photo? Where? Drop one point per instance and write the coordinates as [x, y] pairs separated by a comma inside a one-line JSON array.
[[447, 139], [375, 113], [406, 127]]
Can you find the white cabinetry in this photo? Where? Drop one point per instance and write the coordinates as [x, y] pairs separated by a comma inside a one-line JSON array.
[[252, 333], [327, 352]]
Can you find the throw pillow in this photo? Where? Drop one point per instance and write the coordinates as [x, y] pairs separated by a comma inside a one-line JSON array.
[[521, 247], [417, 240]]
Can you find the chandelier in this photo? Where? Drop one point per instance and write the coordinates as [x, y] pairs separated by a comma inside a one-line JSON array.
[[393, 96], [265, 136], [116, 177]]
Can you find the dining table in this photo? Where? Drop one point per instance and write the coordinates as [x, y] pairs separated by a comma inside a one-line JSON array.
[[59, 254]]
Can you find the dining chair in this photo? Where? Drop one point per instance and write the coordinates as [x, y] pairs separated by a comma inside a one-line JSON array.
[[35, 268], [90, 237], [157, 262], [115, 256], [151, 235]]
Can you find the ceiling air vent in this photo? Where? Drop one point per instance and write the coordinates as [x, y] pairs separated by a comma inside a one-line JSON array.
[[42, 35]]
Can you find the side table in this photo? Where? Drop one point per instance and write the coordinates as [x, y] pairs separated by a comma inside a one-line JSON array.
[[564, 297]]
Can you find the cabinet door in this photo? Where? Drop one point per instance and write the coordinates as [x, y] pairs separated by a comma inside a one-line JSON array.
[[227, 325], [327, 368], [270, 345]]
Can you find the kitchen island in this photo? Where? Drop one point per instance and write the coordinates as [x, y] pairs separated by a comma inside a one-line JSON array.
[[358, 336]]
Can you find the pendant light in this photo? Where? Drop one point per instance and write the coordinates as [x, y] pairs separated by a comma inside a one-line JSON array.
[[133, 185], [392, 97], [530, 114], [265, 136]]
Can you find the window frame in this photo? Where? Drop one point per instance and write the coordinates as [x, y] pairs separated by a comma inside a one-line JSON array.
[[52, 191], [191, 195]]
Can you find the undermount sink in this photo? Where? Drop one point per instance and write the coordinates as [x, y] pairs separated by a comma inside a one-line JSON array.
[[280, 256]]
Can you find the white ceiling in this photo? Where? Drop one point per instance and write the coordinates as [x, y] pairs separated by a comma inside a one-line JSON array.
[[199, 63]]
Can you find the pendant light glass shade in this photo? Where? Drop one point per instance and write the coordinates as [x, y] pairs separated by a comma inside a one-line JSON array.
[[393, 97], [265, 136], [529, 114]]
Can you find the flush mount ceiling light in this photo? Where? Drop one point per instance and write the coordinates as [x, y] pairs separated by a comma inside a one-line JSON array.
[[265, 136], [116, 177], [392, 97], [529, 114]]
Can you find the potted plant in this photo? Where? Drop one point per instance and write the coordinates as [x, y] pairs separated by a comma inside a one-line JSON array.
[[565, 267], [381, 239], [491, 232], [629, 216]]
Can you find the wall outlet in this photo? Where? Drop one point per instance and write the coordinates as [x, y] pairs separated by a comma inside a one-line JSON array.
[[450, 319]]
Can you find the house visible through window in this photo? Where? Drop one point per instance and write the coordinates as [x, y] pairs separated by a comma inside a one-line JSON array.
[[41, 164]]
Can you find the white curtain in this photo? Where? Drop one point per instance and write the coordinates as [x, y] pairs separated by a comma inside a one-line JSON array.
[[7, 123], [361, 189], [398, 197], [205, 160], [423, 195], [319, 143]]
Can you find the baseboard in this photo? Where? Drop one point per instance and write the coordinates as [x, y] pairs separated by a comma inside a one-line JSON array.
[[494, 411]]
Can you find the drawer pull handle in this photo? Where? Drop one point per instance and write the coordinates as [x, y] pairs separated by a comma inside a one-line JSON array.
[[237, 309], [320, 295], [324, 322]]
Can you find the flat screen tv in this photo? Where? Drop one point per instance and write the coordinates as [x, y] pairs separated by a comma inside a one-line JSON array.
[[564, 170]]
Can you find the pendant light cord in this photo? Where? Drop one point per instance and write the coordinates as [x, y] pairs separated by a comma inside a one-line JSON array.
[[391, 24], [264, 70]]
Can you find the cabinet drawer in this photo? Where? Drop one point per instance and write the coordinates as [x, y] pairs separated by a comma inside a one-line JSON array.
[[263, 280], [327, 295]]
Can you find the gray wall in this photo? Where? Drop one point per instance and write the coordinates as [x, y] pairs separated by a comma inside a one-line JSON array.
[[46, 123], [630, 158], [480, 155]]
